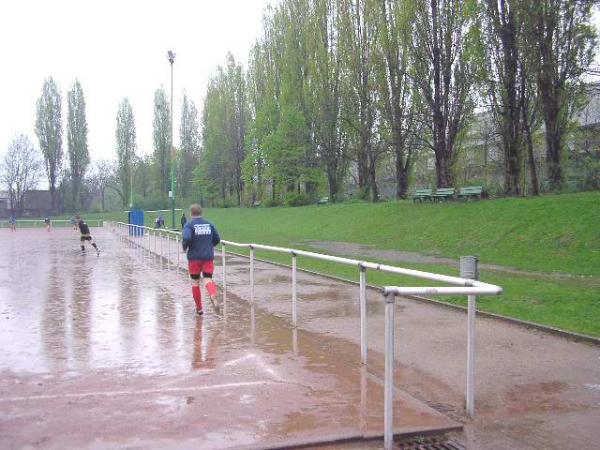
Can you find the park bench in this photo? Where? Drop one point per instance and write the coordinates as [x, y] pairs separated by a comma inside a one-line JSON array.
[[420, 195], [256, 204], [443, 194], [323, 201], [470, 191]]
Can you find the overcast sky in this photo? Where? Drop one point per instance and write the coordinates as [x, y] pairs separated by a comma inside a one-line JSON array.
[[116, 48]]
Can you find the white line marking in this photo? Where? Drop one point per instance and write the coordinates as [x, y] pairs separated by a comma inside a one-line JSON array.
[[137, 392]]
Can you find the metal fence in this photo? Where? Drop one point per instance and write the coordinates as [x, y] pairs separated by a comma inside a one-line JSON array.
[[39, 223], [459, 286]]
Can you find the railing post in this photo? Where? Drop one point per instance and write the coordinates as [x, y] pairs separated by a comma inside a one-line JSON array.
[[251, 274], [224, 263], [169, 251], [363, 314], [177, 249], [161, 248], [294, 290], [469, 268], [388, 393], [470, 395]]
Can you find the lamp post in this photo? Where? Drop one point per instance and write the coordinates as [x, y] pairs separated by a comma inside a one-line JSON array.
[[171, 57]]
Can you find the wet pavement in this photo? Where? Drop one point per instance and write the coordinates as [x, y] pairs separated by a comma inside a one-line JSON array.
[[106, 352]]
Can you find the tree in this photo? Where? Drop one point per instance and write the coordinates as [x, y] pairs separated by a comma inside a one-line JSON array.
[[443, 71], [357, 38], [48, 128], [79, 157], [126, 145], [562, 40], [162, 138], [394, 88], [189, 136], [21, 170], [101, 178], [325, 90]]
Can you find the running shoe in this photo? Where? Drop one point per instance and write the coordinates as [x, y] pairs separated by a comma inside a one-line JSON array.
[[199, 312]]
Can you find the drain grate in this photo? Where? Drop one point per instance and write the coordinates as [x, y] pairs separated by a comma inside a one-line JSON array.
[[429, 443]]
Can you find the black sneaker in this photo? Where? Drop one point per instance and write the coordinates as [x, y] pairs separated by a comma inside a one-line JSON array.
[[199, 312]]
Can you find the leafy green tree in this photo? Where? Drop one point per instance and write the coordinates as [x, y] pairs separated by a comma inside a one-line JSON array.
[[48, 128], [162, 138], [357, 38], [189, 136], [393, 87], [126, 146], [324, 87], [562, 40], [77, 129]]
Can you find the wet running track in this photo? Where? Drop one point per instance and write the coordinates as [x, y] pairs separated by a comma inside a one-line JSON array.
[[106, 352]]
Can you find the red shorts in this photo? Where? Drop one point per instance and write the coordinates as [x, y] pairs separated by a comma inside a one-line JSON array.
[[197, 266]]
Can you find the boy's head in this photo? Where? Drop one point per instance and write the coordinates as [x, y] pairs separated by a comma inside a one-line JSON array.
[[196, 210]]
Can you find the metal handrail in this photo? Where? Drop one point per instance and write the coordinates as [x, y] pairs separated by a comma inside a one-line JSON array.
[[463, 286], [41, 223]]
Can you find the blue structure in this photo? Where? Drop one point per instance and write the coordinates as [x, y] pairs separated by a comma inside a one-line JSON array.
[[136, 217]]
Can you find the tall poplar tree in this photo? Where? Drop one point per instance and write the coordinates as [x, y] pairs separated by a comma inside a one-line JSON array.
[[189, 146], [162, 138], [77, 130], [126, 145], [48, 128]]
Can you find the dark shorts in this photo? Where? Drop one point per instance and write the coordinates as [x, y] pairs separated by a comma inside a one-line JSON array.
[[86, 238], [199, 266]]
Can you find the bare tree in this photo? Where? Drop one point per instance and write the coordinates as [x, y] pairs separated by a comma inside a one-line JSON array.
[[101, 177], [443, 72], [20, 171]]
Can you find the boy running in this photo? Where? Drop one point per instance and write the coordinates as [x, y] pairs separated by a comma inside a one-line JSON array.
[[199, 237], [13, 222], [47, 222], [85, 235]]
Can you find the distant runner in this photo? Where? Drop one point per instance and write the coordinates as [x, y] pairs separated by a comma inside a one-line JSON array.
[[74, 223], [13, 222], [199, 238], [85, 235], [183, 220], [47, 222]]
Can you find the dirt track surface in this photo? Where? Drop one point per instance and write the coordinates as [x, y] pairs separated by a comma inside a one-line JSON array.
[[360, 251], [112, 347], [105, 352]]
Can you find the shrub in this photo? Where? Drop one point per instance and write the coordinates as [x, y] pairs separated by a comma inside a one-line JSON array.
[[297, 199], [270, 203]]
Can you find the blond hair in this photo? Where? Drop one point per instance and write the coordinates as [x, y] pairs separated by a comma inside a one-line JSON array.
[[196, 210]]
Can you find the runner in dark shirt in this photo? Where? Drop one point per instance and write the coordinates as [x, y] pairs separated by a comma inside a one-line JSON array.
[[198, 239], [85, 235]]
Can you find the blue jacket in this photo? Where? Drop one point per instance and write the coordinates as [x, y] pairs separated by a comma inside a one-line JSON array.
[[199, 238]]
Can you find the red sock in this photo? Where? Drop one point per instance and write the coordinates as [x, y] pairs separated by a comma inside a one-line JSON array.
[[211, 287], [197, 296]]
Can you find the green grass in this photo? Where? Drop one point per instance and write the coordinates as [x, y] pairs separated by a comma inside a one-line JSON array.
[[549, 234]]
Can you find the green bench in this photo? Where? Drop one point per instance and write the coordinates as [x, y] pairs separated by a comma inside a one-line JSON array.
[[420, 195], [443, 194], [470, 191]]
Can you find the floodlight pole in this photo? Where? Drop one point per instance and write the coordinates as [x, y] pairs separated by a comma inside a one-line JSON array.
[[171, 57]]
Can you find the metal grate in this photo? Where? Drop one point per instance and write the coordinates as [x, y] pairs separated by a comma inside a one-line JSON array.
[[429, 443]]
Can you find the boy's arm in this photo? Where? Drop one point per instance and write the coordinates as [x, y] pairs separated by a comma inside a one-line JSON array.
[[186, 237], [215, 236]]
